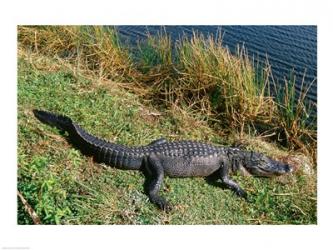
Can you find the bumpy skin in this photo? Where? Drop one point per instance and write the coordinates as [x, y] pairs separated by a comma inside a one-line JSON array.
[[174, 159]]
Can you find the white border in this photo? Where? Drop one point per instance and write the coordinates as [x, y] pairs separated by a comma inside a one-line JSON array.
[[176, 13]]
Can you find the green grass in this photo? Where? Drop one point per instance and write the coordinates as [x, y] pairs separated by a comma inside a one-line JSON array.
[[65, 187]]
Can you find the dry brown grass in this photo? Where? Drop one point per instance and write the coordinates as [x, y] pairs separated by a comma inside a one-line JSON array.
[[86, 48]]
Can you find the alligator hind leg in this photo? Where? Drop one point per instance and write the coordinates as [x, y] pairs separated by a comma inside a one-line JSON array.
[[224, 175], [156, 172]]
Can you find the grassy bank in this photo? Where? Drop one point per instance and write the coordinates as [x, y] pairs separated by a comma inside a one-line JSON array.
[[193, 90]]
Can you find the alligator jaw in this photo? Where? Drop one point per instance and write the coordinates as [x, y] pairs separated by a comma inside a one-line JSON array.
[[276, 170]]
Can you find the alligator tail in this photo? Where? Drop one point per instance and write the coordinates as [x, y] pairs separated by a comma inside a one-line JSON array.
[[103, 151], [59, 121]]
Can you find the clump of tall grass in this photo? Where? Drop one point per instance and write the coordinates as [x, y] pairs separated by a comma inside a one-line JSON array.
[[296, 123], [205, 76], [222, 83], [155, 62]]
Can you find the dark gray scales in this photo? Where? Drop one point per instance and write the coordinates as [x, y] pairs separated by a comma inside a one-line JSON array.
[[174, 159]]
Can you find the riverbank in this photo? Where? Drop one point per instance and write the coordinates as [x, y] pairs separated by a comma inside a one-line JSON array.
[[197, 90]]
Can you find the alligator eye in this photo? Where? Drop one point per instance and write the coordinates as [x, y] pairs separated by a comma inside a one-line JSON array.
[[288, 168]]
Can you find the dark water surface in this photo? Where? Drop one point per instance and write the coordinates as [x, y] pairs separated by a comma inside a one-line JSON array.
[[287, 47]]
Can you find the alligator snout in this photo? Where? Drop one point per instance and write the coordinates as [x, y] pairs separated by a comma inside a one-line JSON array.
[[281, 168], [261, 165]]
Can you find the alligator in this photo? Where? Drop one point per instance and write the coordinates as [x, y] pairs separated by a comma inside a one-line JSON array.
[[169, 158]]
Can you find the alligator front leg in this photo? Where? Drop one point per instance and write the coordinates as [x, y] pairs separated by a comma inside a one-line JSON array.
[[156, 172], [224, 175]]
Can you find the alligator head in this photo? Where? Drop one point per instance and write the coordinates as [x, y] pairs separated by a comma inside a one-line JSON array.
[[258, 164]]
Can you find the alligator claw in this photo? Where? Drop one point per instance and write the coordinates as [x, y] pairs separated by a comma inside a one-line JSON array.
[[167, 207], [242, 193], [162, 204]]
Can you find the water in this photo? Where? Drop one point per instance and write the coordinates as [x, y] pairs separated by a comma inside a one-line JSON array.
[[287, 47]]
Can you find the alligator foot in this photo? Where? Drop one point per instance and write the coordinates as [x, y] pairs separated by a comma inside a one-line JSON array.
[[161, 203], [234, 187], [155, 169], [223, 171], [241, 193]]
